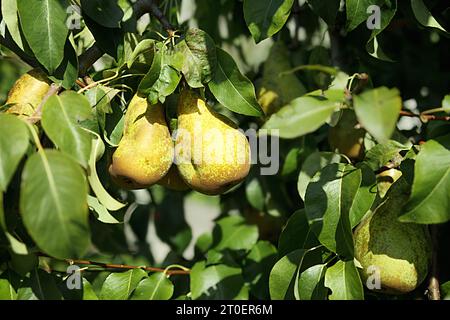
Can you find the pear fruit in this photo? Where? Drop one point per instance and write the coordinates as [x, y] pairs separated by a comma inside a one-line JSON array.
[[145, 152], [277, 87], [398, 253], [173, 181], [347, 137], [27, 93], [212, 156]]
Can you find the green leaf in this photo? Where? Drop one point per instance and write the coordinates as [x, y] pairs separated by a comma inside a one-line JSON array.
[[7, 290], [314, 163], [257, 266], [102, 214], [85, 292], [446, 103], [326, 10], [16, 246], [162, 78], [143, 52], [387, 12], [104, 198], [107, 13], [88, 291], [153, 74], [430, 197], [365, 196], [217, 282], [14, 142], [155, 287], [264, 18], [311, 283], [119, 286], [53, 204], [423, 15], [375, 50], [328, 202], [254, 191], [44, 285], [11, 18], [382, 153], [283, 277], [445, 291], [301, 116], [357, 11], [296, 234], [62, 116], [378, 110], [67, 72], [200, 58], [44, 25], [344, 281], [232, 89], [233, 233]]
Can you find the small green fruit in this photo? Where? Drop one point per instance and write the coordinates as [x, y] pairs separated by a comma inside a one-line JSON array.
[[399, 253]]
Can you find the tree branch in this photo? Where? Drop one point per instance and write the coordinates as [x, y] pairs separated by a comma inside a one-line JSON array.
[[150, 6], [119, 266], [427, 117]]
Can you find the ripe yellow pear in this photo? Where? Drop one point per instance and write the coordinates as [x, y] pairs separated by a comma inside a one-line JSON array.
[[27, 93], [145, 153], [173, 181], [212, 156], [398, 253], [347, 137]]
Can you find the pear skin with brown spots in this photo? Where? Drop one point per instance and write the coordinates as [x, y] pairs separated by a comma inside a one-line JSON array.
[[27, 93], [211, 154], [145, 152]]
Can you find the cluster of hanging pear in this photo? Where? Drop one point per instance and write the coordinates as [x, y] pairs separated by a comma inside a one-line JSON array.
[[207, 152]]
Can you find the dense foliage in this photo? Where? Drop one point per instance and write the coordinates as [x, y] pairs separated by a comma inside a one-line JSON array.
[[352, 100]]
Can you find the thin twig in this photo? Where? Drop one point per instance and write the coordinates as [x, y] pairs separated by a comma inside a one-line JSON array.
[[433, 285], [54, 89], [153, 8], [120, 266], [427, 117]]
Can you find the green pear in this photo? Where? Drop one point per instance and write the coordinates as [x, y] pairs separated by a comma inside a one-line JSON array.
[[27, 93], [145, 152], [278, 87], [399, 253], [212, 156], [347, 137]]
